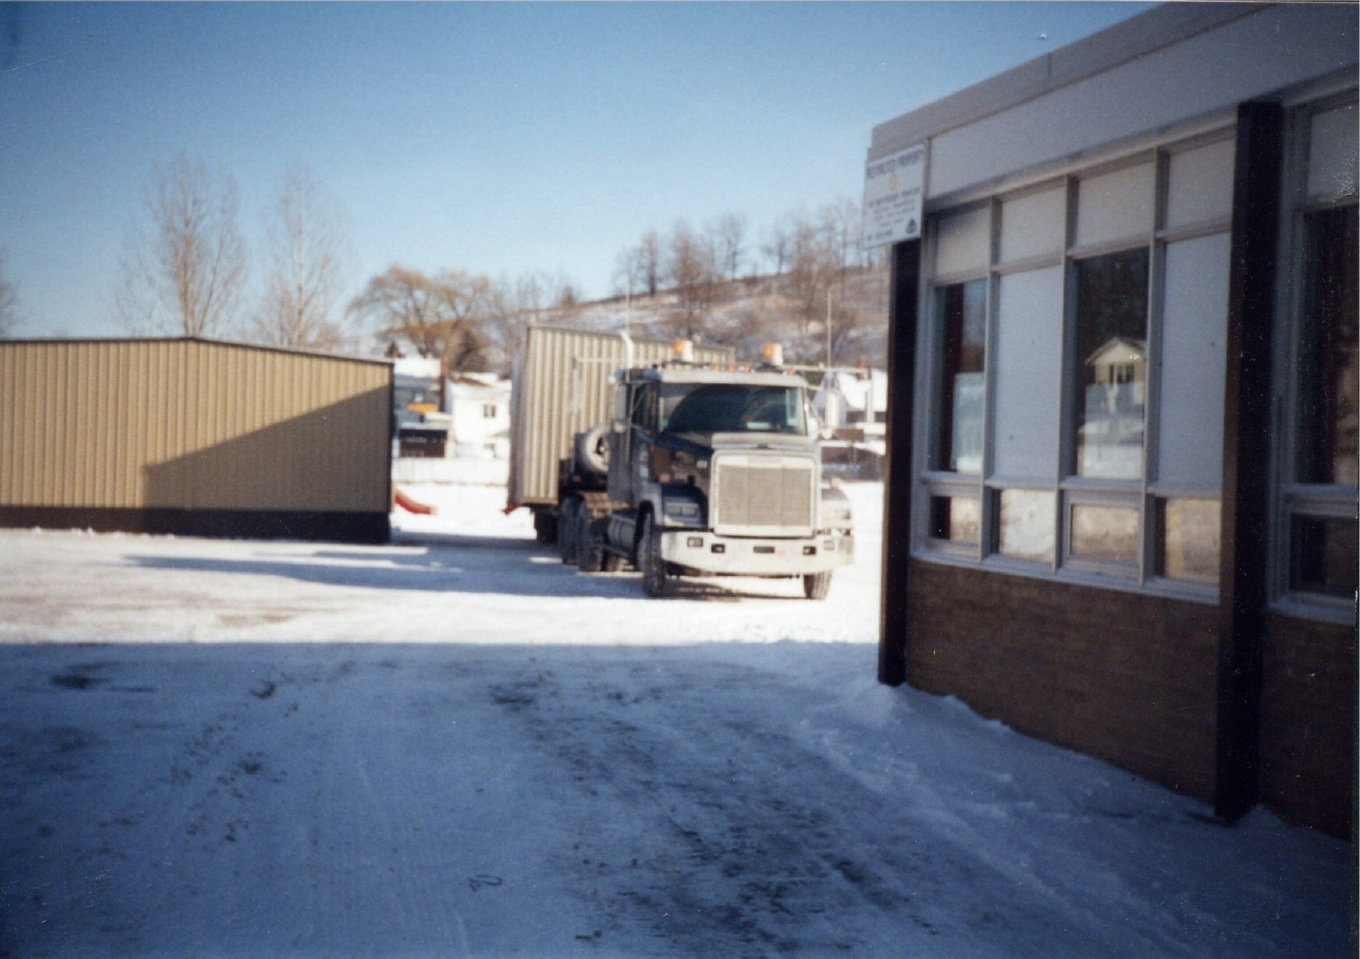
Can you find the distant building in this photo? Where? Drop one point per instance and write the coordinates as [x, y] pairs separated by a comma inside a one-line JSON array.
[[480, 411], [853, 405], [1123, 371], [854, 399], [420, 407]]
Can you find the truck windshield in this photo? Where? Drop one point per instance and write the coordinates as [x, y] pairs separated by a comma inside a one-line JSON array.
[[732, 408]]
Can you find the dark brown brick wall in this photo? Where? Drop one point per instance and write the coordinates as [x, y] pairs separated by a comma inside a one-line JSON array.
[[1127, 677], [1308, 706]]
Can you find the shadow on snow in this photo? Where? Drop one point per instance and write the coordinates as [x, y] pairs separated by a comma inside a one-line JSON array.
[[461, 564]]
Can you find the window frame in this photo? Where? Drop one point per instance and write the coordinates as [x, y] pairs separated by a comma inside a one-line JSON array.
[[1293, 499], [1145, 495]]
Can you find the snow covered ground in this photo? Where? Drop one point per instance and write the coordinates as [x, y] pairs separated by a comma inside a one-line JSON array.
[[456, 746]]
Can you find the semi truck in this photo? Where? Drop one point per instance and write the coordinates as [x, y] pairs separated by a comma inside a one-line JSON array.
[[676, 460]]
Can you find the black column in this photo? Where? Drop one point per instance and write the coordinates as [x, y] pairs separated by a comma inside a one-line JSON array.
[[902, 309], [1244, 560]]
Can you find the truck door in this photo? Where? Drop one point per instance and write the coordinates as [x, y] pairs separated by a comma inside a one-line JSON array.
[[634, 423]]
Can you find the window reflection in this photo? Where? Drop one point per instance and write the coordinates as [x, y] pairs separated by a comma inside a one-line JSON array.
[[1324, 555], [1188, 537], [1104, 533], [1112, 350], [955, 518], [1025, 524], [1329, 426], [963, 320]]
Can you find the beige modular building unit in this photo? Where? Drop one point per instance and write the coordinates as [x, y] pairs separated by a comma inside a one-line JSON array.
[[194, 437]]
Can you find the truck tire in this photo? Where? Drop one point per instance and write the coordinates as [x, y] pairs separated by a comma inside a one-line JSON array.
[[817, 585], [592, 453], [651, 564], [545, 529]]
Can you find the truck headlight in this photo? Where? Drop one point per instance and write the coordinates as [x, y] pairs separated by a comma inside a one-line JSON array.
[[682, 512]]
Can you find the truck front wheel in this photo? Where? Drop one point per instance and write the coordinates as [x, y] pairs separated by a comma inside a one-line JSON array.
[[817, 585], [651, 564]]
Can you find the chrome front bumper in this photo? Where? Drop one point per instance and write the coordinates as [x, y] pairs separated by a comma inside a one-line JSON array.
[[707, 552]]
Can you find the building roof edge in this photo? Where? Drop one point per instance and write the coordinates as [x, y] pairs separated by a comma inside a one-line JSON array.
[[1128, 40]]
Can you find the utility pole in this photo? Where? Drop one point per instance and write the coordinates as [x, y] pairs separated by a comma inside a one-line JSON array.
[[828, 327]]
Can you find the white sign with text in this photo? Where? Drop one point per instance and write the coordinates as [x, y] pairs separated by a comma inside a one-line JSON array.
[[894, 190]]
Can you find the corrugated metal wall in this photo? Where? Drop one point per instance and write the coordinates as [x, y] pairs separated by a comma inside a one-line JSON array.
[[562, 387], [191, 424]]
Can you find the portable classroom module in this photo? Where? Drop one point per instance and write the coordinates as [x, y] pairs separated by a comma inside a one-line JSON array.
[[194, 437]]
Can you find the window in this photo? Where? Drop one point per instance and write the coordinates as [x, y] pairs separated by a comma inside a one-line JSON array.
[[963, 327], [1028, 366], [1318, 488], [955, 519], [1323, 556], [1075, 384], [489, 411], [1104, 533], [1328, 422], [1187, 539], [725, 408], [1111, 379], [1025, 524]]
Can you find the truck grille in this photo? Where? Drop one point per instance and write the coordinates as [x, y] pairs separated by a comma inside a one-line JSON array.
[[764, 494]]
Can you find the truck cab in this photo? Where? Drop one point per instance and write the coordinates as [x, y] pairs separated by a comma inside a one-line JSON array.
[[717, 471]]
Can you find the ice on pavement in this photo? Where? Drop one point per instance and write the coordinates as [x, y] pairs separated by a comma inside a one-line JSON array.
[[456, 746]]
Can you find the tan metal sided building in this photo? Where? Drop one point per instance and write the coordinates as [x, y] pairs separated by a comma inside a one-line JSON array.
[[194, 437]]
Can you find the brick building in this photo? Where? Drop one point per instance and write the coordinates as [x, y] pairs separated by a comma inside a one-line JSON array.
[[1122, 495]]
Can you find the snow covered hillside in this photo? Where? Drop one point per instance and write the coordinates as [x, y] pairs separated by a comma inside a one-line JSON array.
[[457, 746]]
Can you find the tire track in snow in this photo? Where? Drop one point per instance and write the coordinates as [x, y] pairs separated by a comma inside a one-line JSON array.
[[695, 826]]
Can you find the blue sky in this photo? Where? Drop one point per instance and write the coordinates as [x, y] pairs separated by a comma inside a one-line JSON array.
[[500, 138]]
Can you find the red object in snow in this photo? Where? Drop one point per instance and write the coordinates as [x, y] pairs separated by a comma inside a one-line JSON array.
[[410, 505]]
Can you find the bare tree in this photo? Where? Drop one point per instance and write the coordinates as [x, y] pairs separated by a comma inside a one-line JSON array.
[[512, 305], [813, 267], [567, 296], [306, 237], [187, 275], [440, 316], [777, 246], [727, 235], [692, 271], [628, 270], [9, 302], [843, 221], [649, 260]]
